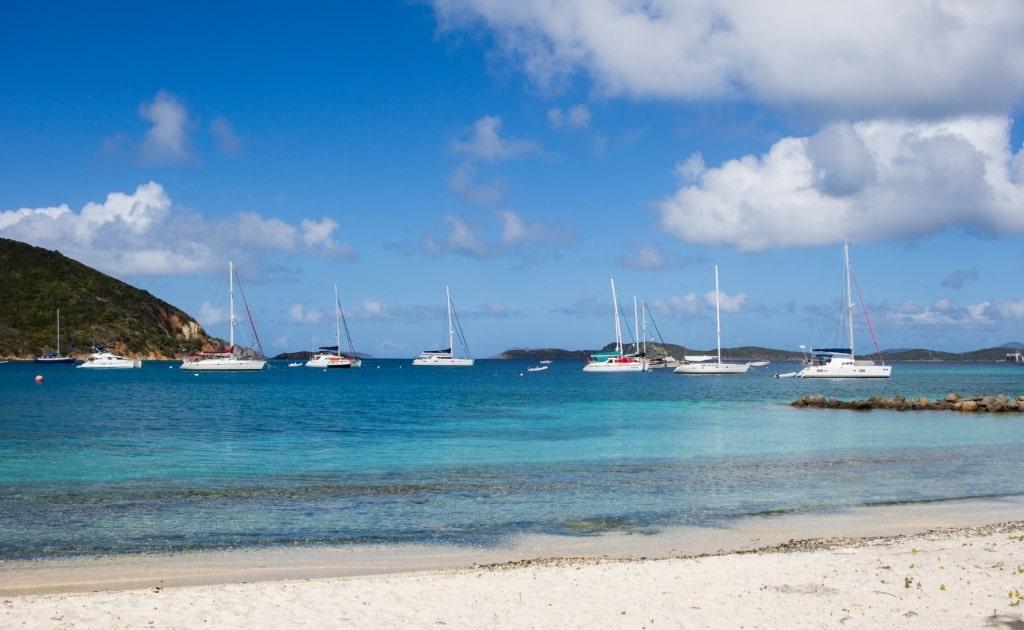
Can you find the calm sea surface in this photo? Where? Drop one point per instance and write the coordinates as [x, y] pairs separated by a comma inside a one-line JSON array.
[[159, 460]]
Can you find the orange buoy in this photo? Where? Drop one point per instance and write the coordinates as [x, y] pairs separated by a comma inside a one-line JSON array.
[[39, 378]]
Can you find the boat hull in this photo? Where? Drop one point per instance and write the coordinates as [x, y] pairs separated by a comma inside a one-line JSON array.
[[846, 369], [110, 361], [55, 360], [615, 366], [436, 361], [224, 365], [695, 369], [333, 362]]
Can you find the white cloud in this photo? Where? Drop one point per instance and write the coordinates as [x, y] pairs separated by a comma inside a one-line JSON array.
[[882, 179], [644, 256], [855, 58], [943, 314], [210, 315], [463, 183], [460, 238], [143, 233], [227, 141], [510, 235], [688, 304], [167, 141], [486, 142], [298, 314], [726, 303], [577, 117]]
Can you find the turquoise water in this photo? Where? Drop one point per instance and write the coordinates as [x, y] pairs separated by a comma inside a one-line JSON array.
[[157, 460]]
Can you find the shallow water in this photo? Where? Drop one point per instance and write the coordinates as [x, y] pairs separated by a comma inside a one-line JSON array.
[[157, 460]]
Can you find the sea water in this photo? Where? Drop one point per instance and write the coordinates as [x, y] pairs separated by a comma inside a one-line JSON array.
[[159, 460]]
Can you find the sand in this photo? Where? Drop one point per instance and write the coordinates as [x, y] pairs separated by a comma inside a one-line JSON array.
[[906, 567]]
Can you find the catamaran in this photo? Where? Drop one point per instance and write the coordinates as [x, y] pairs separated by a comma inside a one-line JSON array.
[[230, 359], [331, 356], [445, 357], [841, 362]]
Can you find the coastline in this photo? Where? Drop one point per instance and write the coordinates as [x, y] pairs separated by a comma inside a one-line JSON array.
[[952, 564]]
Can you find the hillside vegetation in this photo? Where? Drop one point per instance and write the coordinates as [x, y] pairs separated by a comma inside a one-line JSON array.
[[94, 309]]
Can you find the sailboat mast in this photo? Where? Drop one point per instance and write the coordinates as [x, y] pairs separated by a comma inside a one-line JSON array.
[[618, 327], [231, 301], [849, 297], [58, 332], [451, 331], [337, 320], [718, 318]]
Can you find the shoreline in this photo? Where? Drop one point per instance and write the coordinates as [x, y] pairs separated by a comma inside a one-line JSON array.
[[967, 577], [758, 534]]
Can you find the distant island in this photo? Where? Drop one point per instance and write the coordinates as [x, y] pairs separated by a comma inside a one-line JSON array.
[[1005, 352], [96, 309]]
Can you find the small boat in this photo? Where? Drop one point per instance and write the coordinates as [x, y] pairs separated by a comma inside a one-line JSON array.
[[230, 359], [537, 368], [445, 357], [55, 358], [615, 360], [841, 362], [101, 358], [546, 362], [716, 367], [331, 356], [296, 364], [759, 363]]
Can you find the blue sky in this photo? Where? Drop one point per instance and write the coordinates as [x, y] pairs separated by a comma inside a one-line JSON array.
[[523, 153]]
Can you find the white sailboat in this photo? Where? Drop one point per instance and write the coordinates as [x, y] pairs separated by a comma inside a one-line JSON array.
[[231, 358], [714, 367], [841, 362], [331, 356], [615, 360], [445, 357]]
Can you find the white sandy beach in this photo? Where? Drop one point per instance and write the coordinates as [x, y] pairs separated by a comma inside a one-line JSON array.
[[911, 567]]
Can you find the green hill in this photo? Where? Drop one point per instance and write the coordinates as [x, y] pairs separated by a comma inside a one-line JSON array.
[[94, 309]]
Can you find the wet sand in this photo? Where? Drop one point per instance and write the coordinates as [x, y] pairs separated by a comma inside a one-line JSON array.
[[955, 564]]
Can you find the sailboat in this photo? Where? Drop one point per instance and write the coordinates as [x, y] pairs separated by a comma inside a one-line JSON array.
[[331, 356], [841, 362], [230, 359], [714, 367], [55, 358], [615, 360], [445, 357]]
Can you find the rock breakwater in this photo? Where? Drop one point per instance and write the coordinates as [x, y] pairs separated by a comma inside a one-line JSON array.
[[951, 402]]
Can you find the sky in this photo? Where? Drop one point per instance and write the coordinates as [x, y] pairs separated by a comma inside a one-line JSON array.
[[524, 154]]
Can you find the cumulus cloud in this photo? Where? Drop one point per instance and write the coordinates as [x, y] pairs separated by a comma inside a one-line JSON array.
[[143, 233], [577, 117], [227, 141], [643, 256], [726, 303], [510, 235], [884, 179], [487, 143], [299, 314], [463, 182], [167, 141], [853, 58], [944, 314], [688, 304]]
